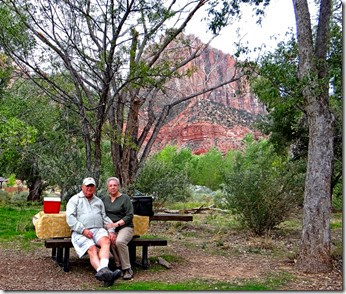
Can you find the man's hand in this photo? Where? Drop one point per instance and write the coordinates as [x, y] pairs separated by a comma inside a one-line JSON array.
[[112, 237], [87, 233]]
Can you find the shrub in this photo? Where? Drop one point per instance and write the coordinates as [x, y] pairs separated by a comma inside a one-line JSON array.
[[262, 187], [4, 196], [165, 183], [220, 200], [20, 197]]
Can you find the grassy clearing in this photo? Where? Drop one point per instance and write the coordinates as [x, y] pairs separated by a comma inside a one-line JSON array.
[[16, 224], [271, 282]]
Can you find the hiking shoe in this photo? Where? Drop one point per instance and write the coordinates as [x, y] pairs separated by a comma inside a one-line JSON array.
[[115, 275], [104, 274], [127, 274]]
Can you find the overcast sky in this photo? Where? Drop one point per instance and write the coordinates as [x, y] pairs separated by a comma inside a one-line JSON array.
[[279, 19]]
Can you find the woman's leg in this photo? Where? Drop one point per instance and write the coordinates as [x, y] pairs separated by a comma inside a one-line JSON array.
[[125, 235]]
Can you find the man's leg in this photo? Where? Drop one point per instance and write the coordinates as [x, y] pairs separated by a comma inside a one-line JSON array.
[[103, 255], [104, 244], [93, 256]]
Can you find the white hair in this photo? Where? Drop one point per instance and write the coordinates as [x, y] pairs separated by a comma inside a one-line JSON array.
[[113, 179]]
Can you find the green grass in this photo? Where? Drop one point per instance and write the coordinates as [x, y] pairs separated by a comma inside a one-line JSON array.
[[188, 205], [336, 221], [292, 224], [16, 222], [272, 282]]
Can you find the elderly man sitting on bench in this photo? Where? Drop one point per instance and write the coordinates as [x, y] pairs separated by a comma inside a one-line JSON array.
[[86, 216]]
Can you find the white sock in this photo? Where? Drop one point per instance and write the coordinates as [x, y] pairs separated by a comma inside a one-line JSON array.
[[104, 262]]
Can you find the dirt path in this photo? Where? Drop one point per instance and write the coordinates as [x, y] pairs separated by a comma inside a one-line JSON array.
[[35, 270]]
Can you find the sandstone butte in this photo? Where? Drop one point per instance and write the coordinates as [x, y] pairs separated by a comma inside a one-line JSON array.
[[218, 119]]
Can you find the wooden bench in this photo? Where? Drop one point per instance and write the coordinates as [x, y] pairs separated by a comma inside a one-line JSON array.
[[61, 250], [61, 246]]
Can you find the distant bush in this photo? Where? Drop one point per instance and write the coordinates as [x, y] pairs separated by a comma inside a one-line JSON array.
[[205, 169], [220, 200], [20, 197], [4, 196], [163, 181], [262, 187]]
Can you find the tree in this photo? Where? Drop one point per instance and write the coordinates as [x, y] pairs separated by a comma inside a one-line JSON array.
[[314, 82], [315, 254], [118, 57], [277, 86], [38, 140]]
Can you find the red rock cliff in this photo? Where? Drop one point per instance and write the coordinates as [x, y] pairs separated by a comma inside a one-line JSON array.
[[220, 118]]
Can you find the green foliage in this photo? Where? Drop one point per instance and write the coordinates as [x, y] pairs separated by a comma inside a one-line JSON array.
[[13, 32], [19, 197], [5, 72], [205, 169], [222, 12], [262, 187], [40, 138], [4, 197], [11, 180], [278, 87], [163, 181]]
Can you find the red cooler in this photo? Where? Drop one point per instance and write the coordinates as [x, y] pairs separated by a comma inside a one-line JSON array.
[[51, 204]]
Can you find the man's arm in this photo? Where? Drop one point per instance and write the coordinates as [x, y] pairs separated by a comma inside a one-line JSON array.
[[71, 216]]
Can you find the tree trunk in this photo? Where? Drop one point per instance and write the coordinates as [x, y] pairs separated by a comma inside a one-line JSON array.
[[130, 149], [315, 249], [313, 72], [35, 189]]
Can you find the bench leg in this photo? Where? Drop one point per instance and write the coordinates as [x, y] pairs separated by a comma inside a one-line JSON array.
[[132, 252], [145, 261], [59, 256], [54, 253], [67, 259]]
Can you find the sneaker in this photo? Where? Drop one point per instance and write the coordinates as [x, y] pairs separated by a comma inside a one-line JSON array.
[[127, 274], [104, 274], [115, 275]]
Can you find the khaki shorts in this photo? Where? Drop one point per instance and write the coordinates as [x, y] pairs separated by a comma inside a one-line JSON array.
[[81, 243]]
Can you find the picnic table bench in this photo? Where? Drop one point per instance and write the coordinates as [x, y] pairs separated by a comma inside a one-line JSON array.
[[61, 246]]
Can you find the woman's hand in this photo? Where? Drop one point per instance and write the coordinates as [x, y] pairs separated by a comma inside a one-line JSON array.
[[112, 225]]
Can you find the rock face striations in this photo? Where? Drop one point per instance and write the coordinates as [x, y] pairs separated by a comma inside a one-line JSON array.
[[220, 118]]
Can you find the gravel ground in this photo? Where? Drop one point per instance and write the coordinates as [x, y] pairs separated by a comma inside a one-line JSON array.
[[35, 270]]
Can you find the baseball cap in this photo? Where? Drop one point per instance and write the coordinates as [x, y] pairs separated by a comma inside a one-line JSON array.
[[89, 181]]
